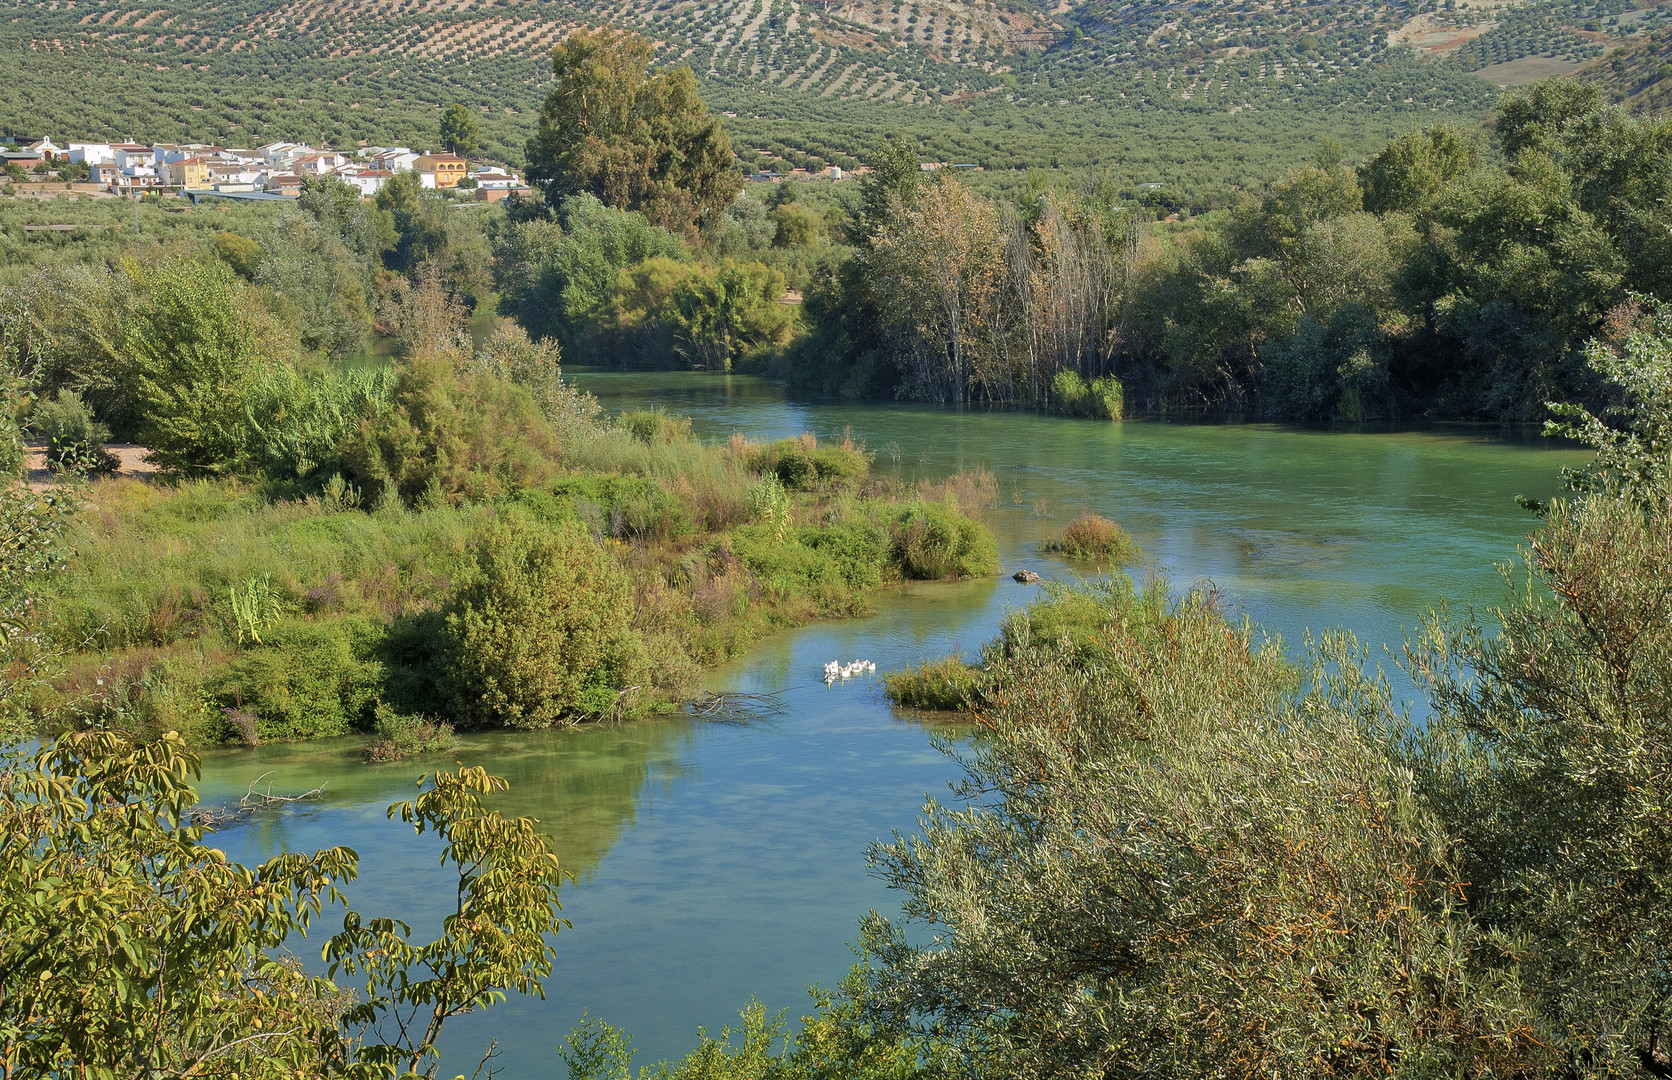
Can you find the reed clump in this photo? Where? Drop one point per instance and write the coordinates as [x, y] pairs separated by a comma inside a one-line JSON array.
[[1095, 539]]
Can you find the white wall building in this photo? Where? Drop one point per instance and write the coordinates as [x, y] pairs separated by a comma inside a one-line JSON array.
[[92, 153], [368, 181]]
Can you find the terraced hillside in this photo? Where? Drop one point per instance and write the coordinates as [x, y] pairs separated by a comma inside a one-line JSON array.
[[1197, 96], [1640, 73]]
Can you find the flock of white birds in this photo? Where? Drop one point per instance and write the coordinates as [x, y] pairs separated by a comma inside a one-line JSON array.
[[838, 670]]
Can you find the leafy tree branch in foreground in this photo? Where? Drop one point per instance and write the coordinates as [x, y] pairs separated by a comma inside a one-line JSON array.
[[129, 947]]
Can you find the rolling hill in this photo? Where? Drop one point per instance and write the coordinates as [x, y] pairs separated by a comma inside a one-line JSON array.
[[1200, 96]]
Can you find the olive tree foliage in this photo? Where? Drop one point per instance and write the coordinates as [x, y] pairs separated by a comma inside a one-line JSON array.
[[1552, 755], [637, 140], [1412, 170], [129, 946], [1168, 863]]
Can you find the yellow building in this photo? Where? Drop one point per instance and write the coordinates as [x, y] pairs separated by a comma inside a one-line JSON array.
[[440, 170], [191, 174]]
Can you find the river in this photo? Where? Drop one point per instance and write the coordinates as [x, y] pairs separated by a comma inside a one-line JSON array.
[[713, 862]]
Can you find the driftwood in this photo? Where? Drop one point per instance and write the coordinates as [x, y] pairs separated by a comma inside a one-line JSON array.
[[736, 708], [215, 817]]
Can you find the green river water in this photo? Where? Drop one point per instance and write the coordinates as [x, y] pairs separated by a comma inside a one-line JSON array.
[[713, 862]]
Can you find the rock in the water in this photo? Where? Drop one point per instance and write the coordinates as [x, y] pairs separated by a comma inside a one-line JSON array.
[[1026, 577]]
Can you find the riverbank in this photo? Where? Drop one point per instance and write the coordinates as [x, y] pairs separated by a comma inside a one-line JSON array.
[[221, 610]]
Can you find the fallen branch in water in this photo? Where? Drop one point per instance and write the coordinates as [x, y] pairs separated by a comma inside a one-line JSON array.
[[736, 708], [250, 802]]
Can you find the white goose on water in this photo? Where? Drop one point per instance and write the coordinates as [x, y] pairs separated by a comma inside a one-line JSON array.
[[838, 670]]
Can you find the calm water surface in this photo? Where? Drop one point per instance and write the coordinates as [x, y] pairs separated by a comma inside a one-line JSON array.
[[715, 862]]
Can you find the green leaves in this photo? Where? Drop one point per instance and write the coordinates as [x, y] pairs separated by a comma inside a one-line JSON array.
[[496, 940], [195, 339], [636, 140], [126, 946], [458, 131], [129, 948]]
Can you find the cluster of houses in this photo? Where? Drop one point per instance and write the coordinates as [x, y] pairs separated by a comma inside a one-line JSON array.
[[271, 171]]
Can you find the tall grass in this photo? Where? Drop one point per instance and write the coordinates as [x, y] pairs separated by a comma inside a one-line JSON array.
[[1096, 539], [154, 565], [150, 592]]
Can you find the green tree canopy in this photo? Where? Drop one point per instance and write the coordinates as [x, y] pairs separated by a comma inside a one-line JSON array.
[[458, 131], [637, 140]]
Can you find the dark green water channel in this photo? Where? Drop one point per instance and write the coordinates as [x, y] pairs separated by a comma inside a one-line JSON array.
[[713, 862]]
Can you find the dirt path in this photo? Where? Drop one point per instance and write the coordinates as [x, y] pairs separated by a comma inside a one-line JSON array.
[[131, 458]]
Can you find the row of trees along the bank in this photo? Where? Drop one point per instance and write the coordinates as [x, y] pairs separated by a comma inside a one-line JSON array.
[[1446, 275], [1436, 277]]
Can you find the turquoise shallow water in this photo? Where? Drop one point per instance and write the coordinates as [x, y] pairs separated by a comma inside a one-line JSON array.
[[713, 862]]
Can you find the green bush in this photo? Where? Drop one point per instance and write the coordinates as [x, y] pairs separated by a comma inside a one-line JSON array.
[[309, 680], [539, 631], [447, 434], [75, 442], [858, 550], [143, 693], [400, 735], [1095, 538], [802, 463], [620, 507], [194, 338], [1100, 399], [297, 423], [654, 426], [723, 314], [947, 685], [930, 541]]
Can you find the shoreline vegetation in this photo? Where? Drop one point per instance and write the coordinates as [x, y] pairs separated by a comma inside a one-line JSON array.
[[211, 608]]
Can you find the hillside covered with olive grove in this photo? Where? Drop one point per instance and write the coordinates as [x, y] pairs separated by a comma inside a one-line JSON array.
[[1198, 97]]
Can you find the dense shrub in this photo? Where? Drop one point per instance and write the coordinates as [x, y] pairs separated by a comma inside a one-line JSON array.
[[930, 541], [399, 735], [1099, 399], [447, 434], [947, 685], [654, 426], [859, 550], [308, 680], [510, 355], [622, 507], [803, 462], [143, 693], [539, 631], [1095, 538], [298, 423], [193, 338], [75, 442]]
